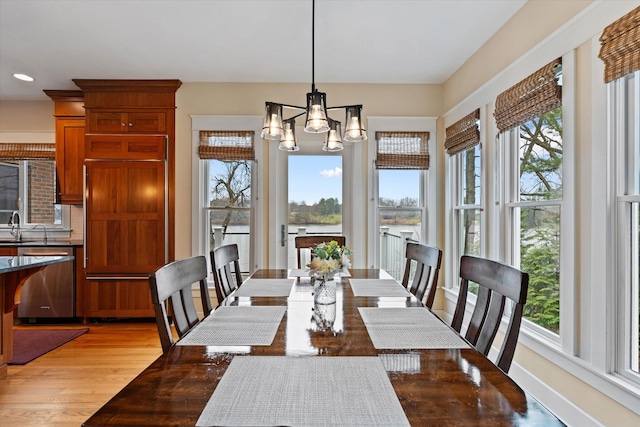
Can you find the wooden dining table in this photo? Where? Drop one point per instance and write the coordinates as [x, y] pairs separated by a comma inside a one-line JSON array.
[[435, 386]]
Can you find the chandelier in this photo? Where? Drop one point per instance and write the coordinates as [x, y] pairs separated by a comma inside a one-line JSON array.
[[276, 128]]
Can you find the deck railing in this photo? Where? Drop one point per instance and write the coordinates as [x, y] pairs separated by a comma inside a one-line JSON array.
[[392, 248]]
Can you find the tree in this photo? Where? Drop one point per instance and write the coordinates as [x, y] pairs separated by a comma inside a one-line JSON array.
[[231, 188], [541, 179], [469, 198]]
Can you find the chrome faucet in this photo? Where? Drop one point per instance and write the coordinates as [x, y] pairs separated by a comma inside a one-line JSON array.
[[15, 226], [45, 231]]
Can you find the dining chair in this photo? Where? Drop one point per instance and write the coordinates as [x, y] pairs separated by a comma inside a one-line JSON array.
[[225, 262], [309, 241], [496, 282], [171, 284], [425, 261]]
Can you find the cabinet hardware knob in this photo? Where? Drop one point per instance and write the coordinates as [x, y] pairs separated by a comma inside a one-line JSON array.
[[122, 124], [130, 124]]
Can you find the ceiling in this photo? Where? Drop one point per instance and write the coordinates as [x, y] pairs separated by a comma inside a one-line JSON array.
[[356, 41]]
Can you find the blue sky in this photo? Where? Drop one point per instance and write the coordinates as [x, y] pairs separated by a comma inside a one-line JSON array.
[[314, 177]]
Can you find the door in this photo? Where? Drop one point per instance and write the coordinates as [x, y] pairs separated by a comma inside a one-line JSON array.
[[309, 197], [125, 224]]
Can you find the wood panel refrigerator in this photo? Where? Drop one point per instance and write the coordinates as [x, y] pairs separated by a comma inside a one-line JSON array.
[[126, 222]]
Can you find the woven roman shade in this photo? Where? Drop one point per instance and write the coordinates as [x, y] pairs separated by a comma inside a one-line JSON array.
[[620, 50], [402, 150], [463, 134], [537, 94], [226, 145], [15, 151]]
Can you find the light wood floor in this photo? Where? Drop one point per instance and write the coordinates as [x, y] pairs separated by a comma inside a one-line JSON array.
[[67, 385]]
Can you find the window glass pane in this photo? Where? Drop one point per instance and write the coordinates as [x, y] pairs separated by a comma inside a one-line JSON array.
[[33, 183], [392, 252], [469, 232], [227, 227], [399, 192], [469, 235], [230, 183], [470, 176], [399, 187], [41, 180], [540, 257], [229, 201], [541, 157], [315, 198]]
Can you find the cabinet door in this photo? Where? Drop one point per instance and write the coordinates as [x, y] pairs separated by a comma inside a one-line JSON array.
[[125, 222], [119, 298], [70, 159], [147, 122], [125, 147], [106, 121], [126, 122]]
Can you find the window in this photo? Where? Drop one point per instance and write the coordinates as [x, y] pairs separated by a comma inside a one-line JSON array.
[[227, 158], [530, 117], [624, 114], [463, 146], [535, 207], [401, 162], [29, 187]]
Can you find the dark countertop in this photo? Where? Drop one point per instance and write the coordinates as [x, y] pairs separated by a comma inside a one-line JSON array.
[[15, 263], [39, 243]]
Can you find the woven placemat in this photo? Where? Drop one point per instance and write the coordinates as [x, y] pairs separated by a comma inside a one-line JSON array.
[[237, 326], [378, 288], [408, 328], [304, 391], [265, 288]]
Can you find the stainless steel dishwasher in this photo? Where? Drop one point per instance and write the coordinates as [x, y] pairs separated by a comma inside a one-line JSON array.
[[51, 291]]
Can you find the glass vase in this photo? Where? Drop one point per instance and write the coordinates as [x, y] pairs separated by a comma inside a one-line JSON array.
[[324, 289]]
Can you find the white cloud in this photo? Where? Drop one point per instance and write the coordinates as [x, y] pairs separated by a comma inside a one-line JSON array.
[[331, 173]]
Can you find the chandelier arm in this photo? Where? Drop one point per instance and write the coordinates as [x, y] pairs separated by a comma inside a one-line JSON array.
[[344, 106], [293, 107], [296, 116]]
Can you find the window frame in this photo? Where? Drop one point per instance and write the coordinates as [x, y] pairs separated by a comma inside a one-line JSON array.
[[508, 144], [200, 172], [427, 185], [625, 192], [457, 207], [23, 196]]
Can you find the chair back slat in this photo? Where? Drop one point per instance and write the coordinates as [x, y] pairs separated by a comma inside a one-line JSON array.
[[310, 241], [225, 262], [427, 261], [171, 284], [496, 282], [479, 315]]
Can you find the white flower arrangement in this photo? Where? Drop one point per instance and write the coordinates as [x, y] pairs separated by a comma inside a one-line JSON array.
[[329, 258]]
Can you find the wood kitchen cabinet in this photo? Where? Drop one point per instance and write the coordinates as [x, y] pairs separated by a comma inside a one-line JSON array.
[[130, 192], [99, 121], [125, 224], [117, 297], [70, 129]]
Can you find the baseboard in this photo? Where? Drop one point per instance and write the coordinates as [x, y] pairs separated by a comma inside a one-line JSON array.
[[564, 409]]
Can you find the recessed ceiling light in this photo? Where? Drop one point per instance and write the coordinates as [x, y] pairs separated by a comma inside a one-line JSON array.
[[23, 77]]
